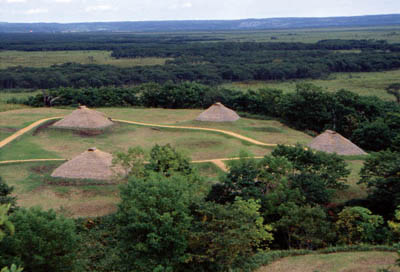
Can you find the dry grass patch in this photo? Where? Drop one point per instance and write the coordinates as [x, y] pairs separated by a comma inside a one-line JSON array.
[[335, 262]]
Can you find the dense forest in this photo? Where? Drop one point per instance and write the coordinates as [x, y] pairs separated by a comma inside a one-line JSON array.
[[204, 62]]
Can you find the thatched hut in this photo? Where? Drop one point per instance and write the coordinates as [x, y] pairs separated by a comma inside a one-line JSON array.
[[218, 113], [91, 164], [332, 142], [84, 119]]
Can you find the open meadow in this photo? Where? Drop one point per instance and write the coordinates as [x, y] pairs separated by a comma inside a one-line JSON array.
[[373, 83], [9, 58]]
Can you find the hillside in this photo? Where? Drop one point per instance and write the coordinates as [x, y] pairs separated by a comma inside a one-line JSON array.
[[207, 25]]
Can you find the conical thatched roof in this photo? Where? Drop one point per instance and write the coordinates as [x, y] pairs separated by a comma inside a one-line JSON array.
[[84, 118], [91, 164], [332, 142], [218, 113]]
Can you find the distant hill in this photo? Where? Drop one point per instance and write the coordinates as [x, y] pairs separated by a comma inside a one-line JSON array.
[[206, 25]]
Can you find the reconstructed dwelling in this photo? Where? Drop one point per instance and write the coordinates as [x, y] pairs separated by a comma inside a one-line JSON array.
[[84, 119], [218, 113], [332, 142], [91, 164]]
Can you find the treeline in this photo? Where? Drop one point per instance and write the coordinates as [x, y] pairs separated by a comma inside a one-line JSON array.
[[207, 63], [213, 70], [170, 219], [370, 122]]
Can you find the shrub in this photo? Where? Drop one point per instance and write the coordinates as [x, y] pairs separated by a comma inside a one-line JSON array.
[[42, 241], [357, 225]]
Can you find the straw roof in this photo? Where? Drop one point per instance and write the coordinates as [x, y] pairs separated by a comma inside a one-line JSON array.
[[84, 118], [91, 164], [218, 113], [332, 142]]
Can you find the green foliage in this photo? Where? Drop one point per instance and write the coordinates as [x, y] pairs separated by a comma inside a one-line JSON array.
[[5, 224], [304, 226], [98, 248], [248, 178], [319, 106], [166, 160], [13, 268], [381, 174], [131, 162], [357, 225], [154, 221], [221, 234], [5, 195], [330, 168], [373, 136], [42, 241], [395, 225]]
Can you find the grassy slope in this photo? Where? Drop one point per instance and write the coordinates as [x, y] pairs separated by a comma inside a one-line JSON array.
[[48, 58], [351, 261]]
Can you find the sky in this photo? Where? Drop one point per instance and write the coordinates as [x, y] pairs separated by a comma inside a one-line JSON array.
[[65, 11]]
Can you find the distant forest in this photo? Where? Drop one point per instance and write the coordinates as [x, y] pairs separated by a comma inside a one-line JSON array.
[[193, 59]]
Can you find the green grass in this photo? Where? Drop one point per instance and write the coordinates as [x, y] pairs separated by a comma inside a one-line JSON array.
[[28, 179], [48, 58], [361, 83], [335, 262], [354, 190], [196, 144], [25, 148]]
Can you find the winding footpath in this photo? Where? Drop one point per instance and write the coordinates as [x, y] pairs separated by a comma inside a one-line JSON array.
[[218, 162]]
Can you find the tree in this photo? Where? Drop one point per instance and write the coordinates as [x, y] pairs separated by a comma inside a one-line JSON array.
[[304, 226], [357, 225], [373, 136], [42, 241], [394, 89], [221, 234], [329, 168], [248, 178], [5, 195], [381, 175], [154, 221], [131, 162], [7, 226], [395, 225], [166, 160]]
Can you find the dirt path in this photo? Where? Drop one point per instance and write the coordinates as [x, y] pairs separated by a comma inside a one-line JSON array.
[[21, 132], [226, 132], [218, 162]]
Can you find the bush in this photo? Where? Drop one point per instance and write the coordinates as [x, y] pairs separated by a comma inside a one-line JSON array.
[[42, 241], [221, 234], [154, 221], [357, 225]]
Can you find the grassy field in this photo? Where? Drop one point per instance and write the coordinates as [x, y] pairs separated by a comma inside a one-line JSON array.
[[349, 261], [47, 58], [198, 145], [390, 34], [361, 83]]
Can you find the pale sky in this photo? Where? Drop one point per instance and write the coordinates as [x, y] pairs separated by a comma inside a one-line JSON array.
[[146, 10]]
